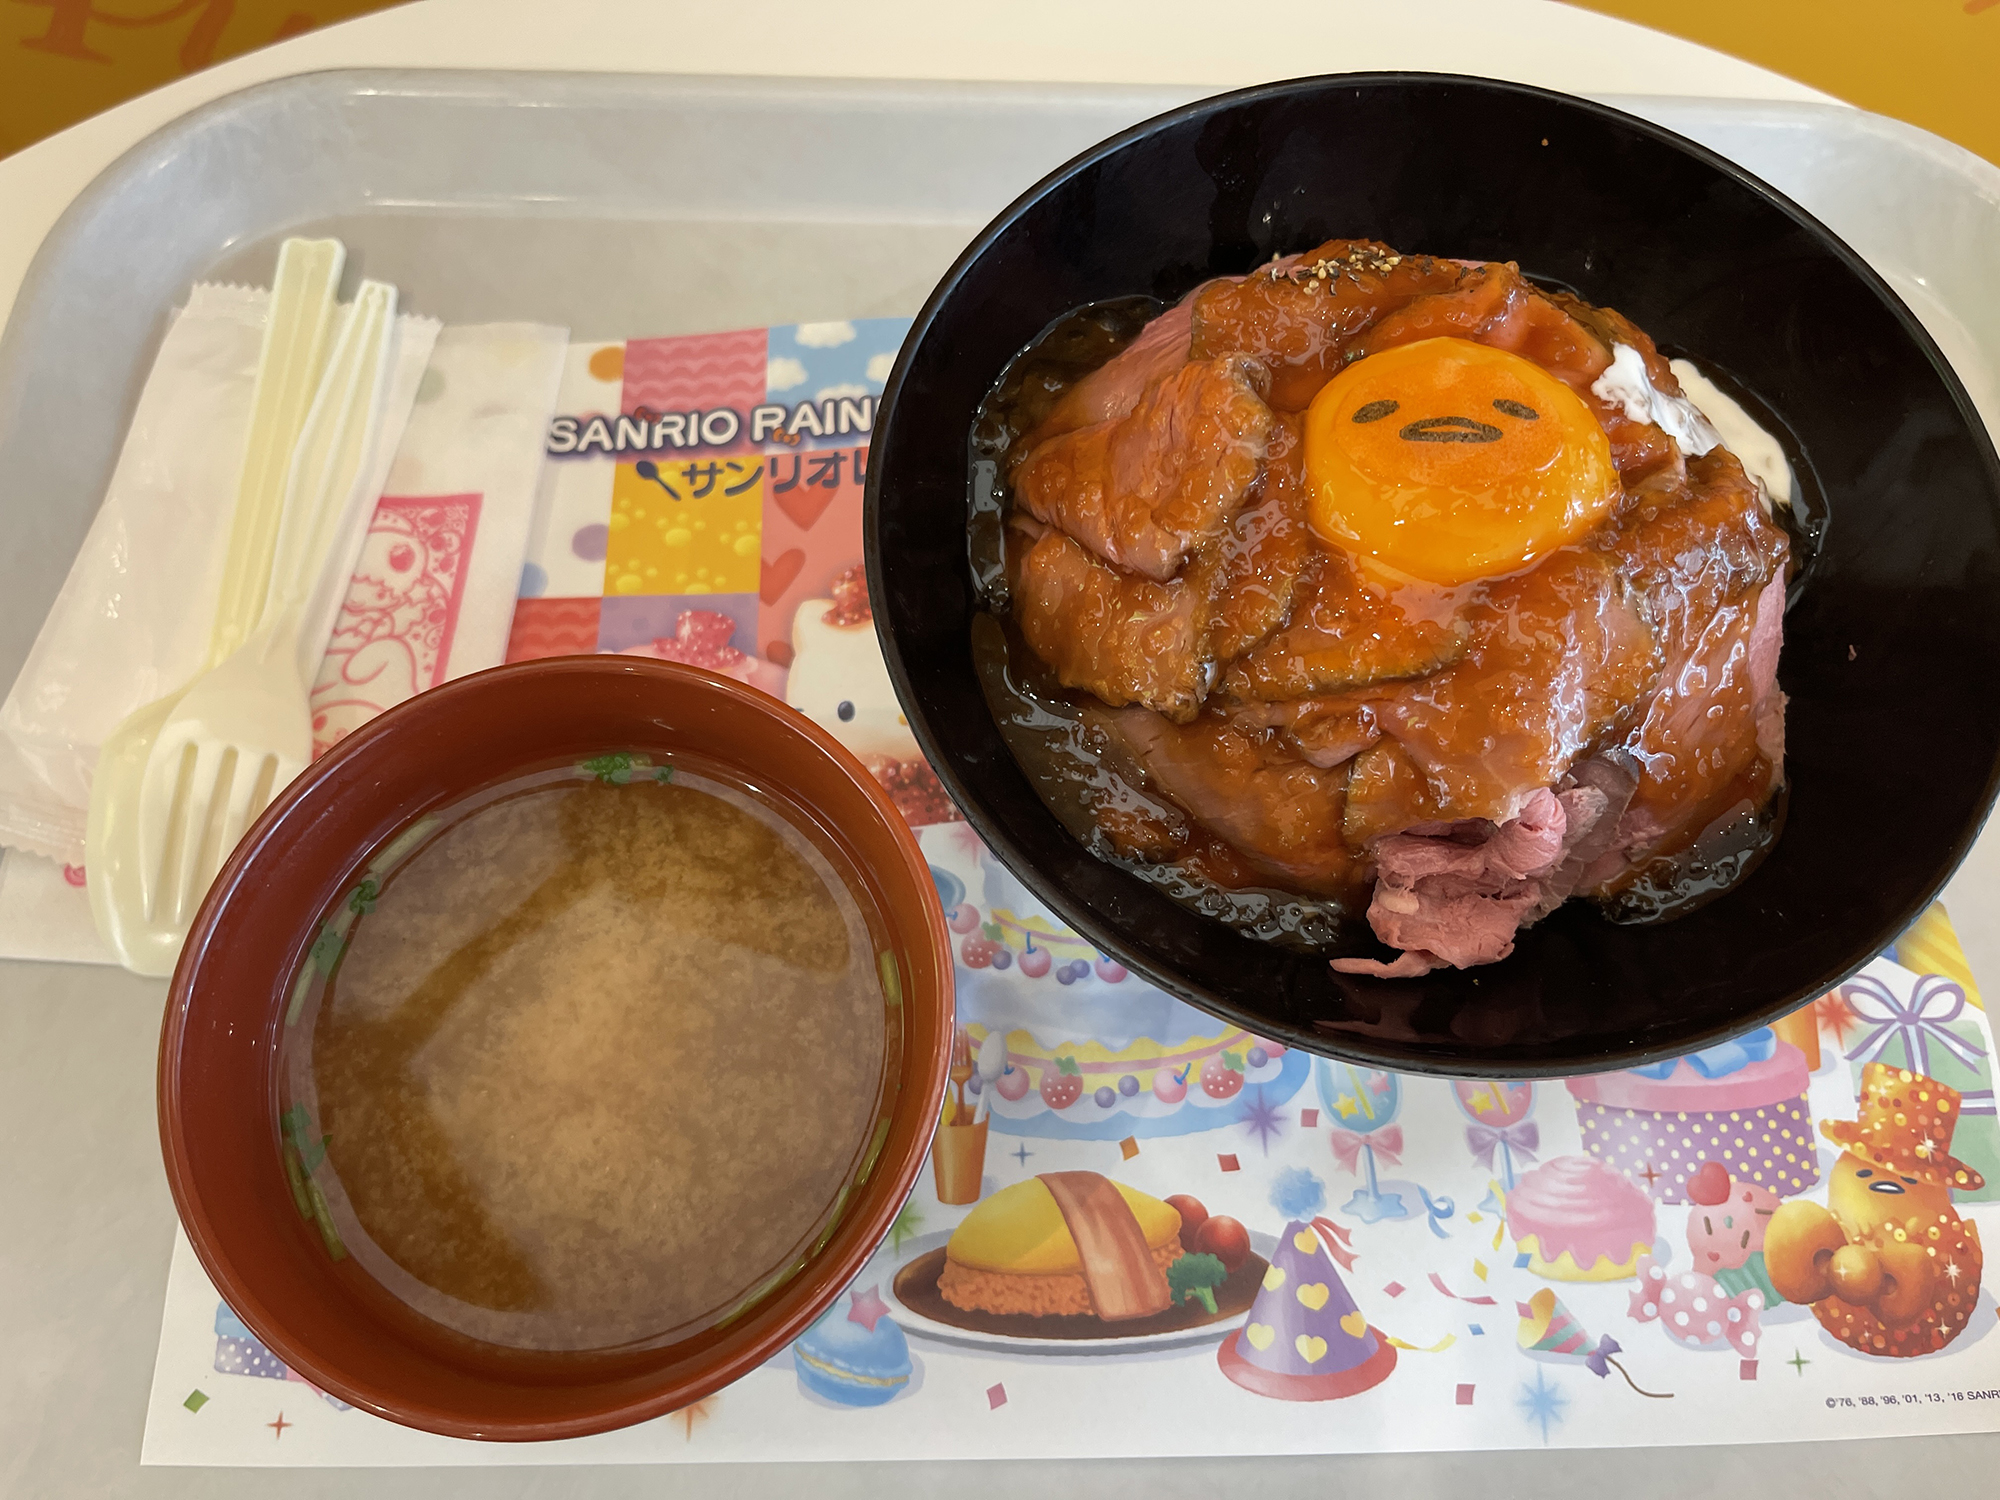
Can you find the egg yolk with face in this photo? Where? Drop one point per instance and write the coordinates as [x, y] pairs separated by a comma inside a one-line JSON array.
[[1447, 461]]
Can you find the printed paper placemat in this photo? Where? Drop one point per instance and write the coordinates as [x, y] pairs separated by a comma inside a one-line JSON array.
[[1356, 1260]]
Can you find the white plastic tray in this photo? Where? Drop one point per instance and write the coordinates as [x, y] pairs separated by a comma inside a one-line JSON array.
[[619, 205], [645, 205], [671, 205]]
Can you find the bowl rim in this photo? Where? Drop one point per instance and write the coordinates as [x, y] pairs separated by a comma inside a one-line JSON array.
[[924, 1079], [1375, 1053]]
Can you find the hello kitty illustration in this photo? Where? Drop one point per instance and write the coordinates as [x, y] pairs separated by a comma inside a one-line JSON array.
[[839, 681]]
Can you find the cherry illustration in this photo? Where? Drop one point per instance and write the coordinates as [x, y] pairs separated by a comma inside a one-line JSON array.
[[1035, 962]]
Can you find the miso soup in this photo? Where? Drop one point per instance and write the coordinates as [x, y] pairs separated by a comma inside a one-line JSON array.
[[591, 1058]]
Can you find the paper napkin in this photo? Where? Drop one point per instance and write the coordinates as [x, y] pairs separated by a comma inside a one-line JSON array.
[[431, 598]]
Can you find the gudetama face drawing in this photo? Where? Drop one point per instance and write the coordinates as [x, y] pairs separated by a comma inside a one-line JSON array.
[[1447, 461], [1864, 1196], [1875, 1246]]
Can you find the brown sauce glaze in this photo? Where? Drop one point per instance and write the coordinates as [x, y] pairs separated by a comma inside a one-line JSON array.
[[1237, 712]]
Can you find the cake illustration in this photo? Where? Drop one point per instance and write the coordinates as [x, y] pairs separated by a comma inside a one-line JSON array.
[[854, 1355], [1304, 1339], [1094, 1053], [1064, 1243], [1742, 1103], [1726, 1224], [1888, 1265], [839, 680], [1578, 1220]]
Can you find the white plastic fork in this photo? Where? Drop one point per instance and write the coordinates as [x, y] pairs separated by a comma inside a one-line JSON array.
[[289, 367], [244, 730]]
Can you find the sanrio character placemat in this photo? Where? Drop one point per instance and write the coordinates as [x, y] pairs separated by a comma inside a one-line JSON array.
[[1324, 1258]]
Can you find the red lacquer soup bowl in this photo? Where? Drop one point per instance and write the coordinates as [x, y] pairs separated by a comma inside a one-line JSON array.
[[237, 1182]]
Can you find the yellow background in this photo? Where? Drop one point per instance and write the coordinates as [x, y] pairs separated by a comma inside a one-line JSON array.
[[690, 545], [61, 60], [1935, 63]]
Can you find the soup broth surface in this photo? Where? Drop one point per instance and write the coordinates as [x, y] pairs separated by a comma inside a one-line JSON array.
[[597, 1060]]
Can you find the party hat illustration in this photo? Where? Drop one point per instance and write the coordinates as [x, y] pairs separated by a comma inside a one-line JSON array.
[[1547, 1327], [1305, 1340]]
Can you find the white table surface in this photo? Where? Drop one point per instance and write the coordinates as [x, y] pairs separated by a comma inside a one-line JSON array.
[[86, 1222]]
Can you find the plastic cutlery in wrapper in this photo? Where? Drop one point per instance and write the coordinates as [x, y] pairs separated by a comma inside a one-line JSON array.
[[244, 730], [146, 607], [289, 364], [289, 369], [169, 805]]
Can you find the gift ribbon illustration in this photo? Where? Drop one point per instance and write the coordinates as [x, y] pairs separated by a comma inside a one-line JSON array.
[[1438, 1282], [1386, 1143], [1438, 1208], [1347, 1261], [1523, 1139], [1598, 1360], [1723, 1058], [1932, 1006], [1438, 1348], [1336, 1241]]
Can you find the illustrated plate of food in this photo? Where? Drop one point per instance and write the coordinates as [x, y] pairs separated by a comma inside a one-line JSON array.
[[1072, 1262]]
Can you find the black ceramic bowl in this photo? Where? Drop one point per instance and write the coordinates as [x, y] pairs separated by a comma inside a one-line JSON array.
[[1892, 646]]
